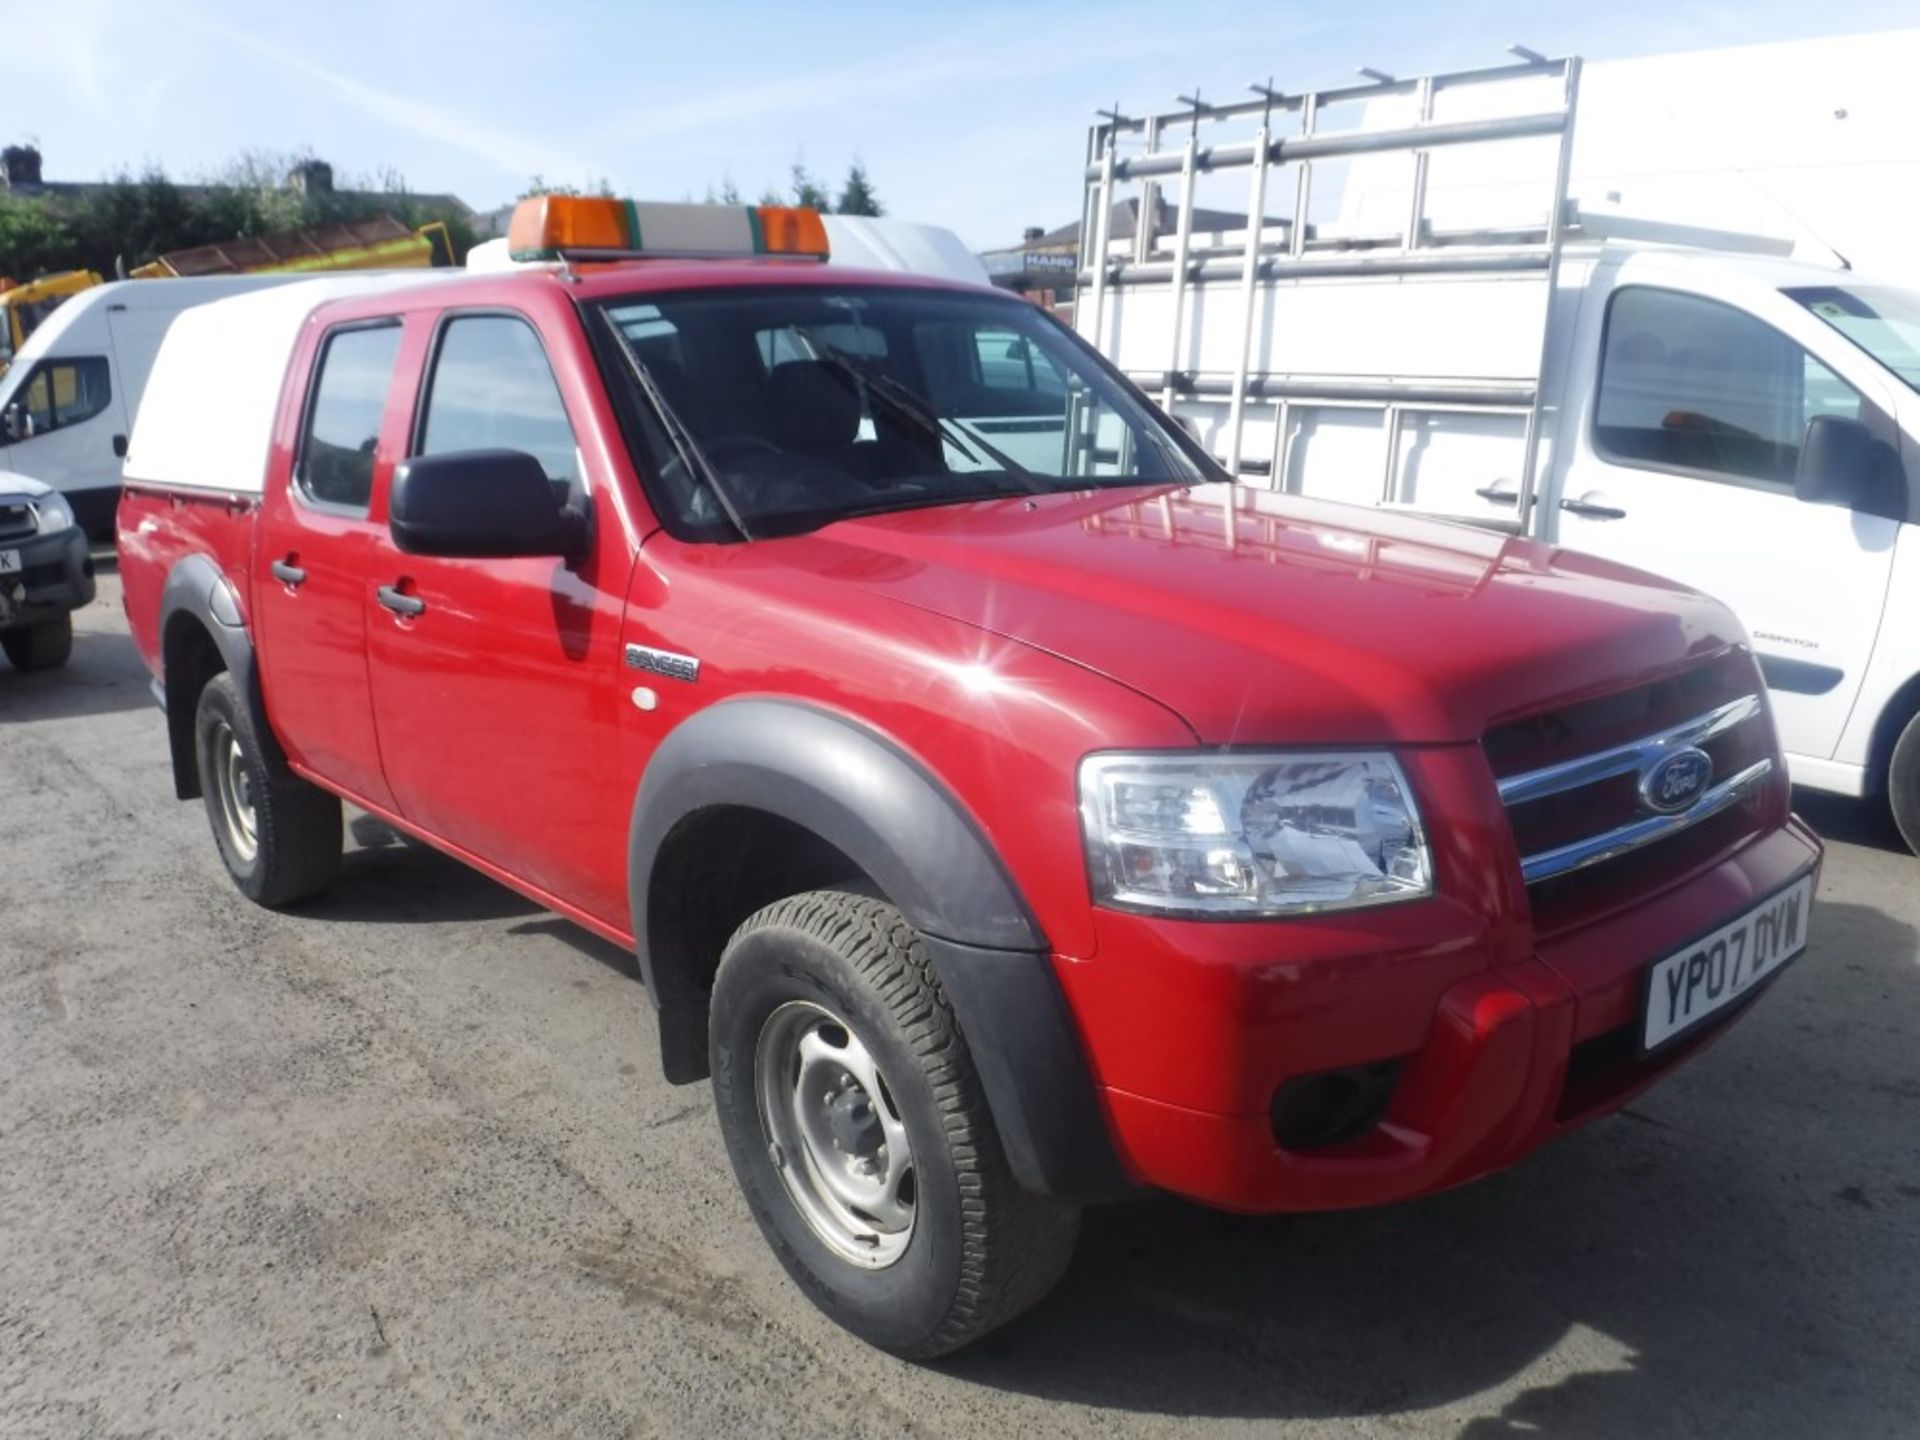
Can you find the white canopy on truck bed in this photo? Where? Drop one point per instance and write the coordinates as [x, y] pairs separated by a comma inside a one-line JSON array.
[[206, 419]]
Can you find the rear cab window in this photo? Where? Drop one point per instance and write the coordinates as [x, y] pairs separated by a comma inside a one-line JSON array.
[[341, 431]]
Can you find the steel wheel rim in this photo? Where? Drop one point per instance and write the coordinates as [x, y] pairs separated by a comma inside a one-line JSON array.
[[233, 787], [835, 1135]]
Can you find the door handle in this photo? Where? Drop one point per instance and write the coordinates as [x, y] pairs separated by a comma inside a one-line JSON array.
[[1593, 510], [398, 603], [1497, 495], [288, 574]]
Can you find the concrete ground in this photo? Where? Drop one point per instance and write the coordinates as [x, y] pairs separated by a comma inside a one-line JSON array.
[[402, 1164]]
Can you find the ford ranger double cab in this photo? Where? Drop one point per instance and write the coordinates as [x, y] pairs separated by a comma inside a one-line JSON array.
[[1007, 813]]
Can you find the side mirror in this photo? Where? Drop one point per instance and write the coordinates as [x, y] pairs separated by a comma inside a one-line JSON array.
[[481, 504], [1839, 463], [14, 424]]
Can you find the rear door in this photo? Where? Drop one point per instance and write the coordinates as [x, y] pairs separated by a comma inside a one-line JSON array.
[[310, 589], [499, 698], [1685, 465]]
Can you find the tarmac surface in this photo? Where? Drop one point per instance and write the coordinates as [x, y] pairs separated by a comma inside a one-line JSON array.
[[402, 1164]]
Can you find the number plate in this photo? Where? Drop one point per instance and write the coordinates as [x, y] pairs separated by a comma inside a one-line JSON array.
[[9, 562], [1691, 985]]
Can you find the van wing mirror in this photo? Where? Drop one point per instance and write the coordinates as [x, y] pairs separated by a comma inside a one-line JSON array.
[[481, 504], [13, 423], [1840, 463]]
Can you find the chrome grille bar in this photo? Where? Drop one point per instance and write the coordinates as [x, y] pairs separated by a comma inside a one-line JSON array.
[[1634, 834], [1629, 759]]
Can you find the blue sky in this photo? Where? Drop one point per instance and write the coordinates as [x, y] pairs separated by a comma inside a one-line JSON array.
[[968, 115]]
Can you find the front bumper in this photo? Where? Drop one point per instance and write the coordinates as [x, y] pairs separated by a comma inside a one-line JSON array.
[[1192, 1029], [56, 575]]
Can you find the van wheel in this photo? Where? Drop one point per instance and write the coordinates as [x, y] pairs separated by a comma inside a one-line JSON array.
[[39, 647], [1903, 784], [861, 1137], [281, 839]]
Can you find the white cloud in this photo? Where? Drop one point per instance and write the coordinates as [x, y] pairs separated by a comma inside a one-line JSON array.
[[513, 152]]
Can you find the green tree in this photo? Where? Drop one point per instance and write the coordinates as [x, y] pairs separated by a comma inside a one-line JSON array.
[[537, 185], [34, 239], [808, 193], [856, 195]]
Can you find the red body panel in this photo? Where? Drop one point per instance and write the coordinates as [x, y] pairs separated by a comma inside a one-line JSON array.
[[998, 644], [159, 529]]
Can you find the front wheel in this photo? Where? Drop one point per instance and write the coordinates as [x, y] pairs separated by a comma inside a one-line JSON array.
[[1903, 784], [39, 647], [861, 1137], [281, 839]]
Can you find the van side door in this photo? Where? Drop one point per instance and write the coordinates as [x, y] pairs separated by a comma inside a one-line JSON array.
[[1689, 436], [60, 416]]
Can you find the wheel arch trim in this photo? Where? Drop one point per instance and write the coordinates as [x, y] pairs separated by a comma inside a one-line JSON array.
[[859, 792], [197, 592]]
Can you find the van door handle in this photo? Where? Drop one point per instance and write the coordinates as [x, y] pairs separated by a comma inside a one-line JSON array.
[[1593, 510], [399, 603], [288, 574], [1497, 495]]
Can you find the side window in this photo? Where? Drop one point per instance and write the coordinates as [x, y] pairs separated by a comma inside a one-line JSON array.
[[343, 415], [1008, 362], [492, 388], [65, 392], [985, 370], [1691, 384]]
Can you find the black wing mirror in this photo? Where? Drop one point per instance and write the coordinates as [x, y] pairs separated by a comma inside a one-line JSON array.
[[1840, 464], [483, 504]]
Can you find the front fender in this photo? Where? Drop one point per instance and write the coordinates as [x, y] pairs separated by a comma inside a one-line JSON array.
[[881, 809]]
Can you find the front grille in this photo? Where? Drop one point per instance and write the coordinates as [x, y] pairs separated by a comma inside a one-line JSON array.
[[17, 520], [1571, 780]]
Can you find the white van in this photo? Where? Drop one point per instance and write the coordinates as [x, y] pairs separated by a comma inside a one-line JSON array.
[[1744, 423], [68, 400]]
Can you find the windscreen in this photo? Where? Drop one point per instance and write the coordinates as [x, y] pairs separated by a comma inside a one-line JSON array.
[[1881, 320], [768, 411]]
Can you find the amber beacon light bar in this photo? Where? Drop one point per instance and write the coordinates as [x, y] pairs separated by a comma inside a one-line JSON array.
[[553, 227]]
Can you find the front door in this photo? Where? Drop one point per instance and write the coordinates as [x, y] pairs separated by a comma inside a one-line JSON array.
[[64, 417], [498, 683], [1686, 467], [310, 581]]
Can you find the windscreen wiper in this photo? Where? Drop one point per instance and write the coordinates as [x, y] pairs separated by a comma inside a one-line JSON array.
[[678, 435], [915, 408]]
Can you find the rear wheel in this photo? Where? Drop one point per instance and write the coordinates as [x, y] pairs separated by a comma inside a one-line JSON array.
[[39, 647], [860, 1135], [281, 839], [1903, 784]]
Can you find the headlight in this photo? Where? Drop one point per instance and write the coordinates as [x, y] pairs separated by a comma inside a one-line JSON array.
[[1243, 835], [54, 512]]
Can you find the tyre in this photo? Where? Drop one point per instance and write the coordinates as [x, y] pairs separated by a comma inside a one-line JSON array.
[[281, 839], [39, 647], [860, 1134], [1903, 784]]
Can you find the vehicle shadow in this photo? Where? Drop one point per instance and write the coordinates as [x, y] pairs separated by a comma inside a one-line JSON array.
[[391, 878], [1867, 821], [1734, 1254], [103, 676]]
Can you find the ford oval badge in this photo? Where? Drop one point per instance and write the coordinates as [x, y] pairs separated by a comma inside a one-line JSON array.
[[1676, 780]]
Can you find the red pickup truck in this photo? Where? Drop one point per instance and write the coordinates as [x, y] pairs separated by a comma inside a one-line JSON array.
[[1005, 812]]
